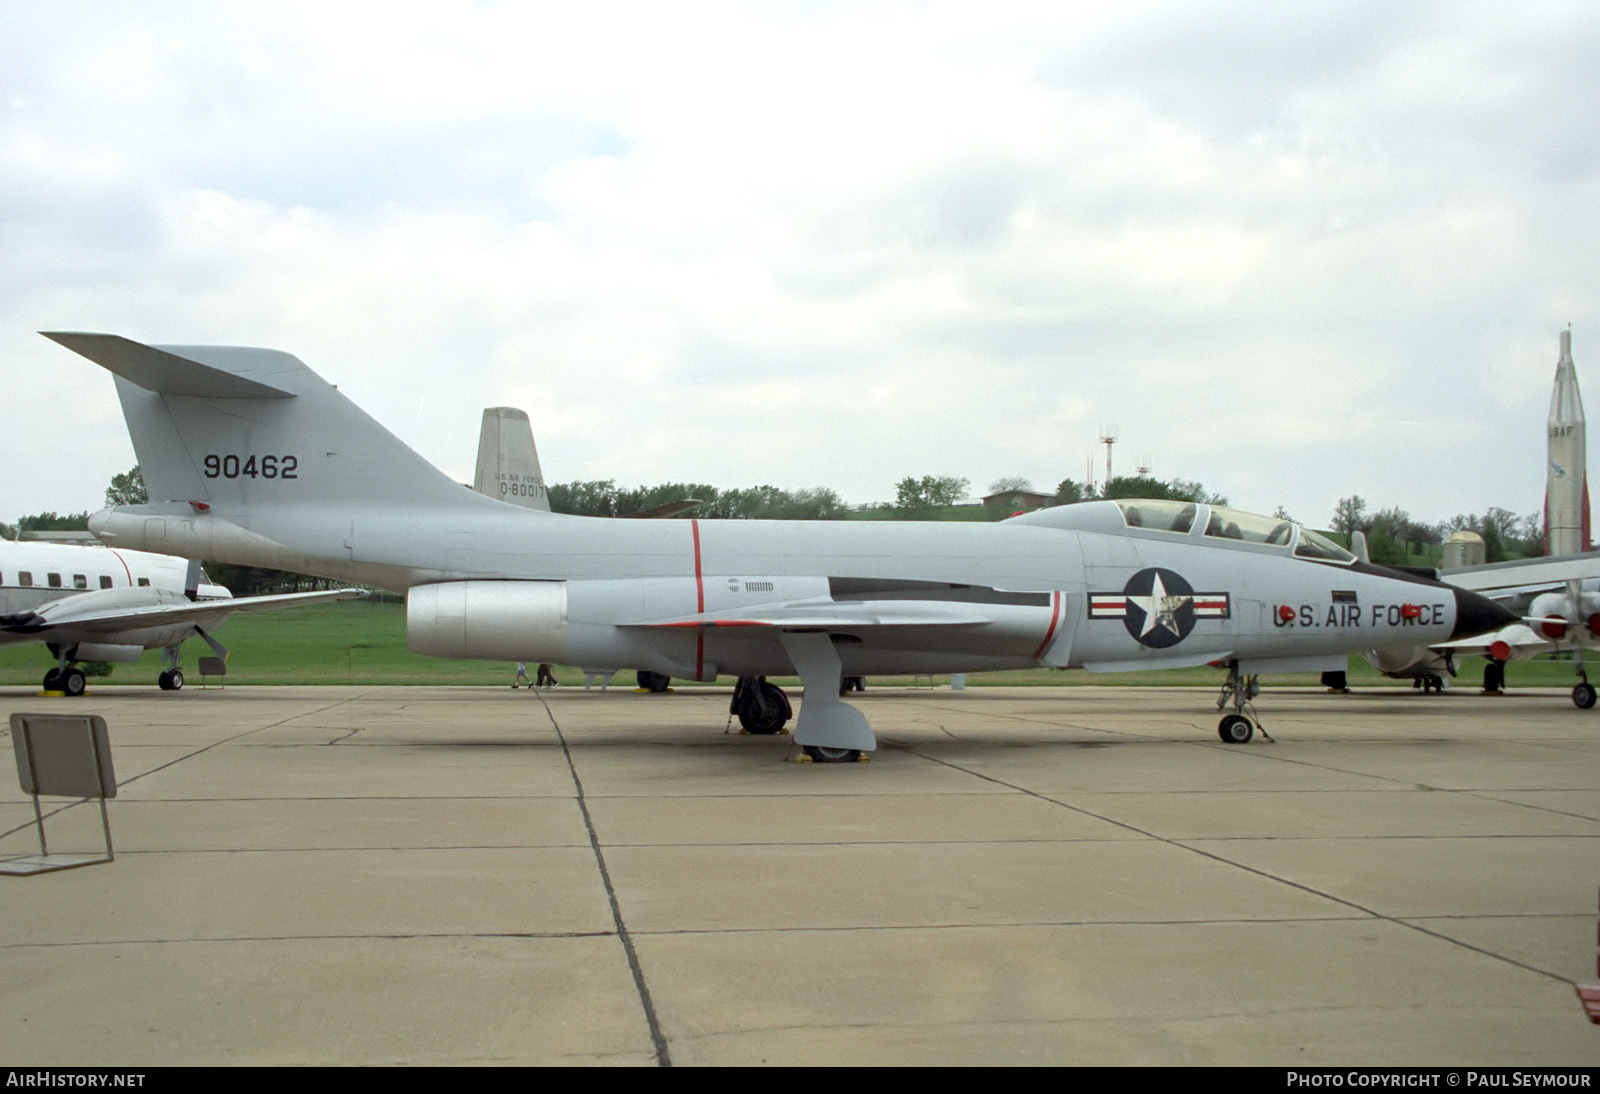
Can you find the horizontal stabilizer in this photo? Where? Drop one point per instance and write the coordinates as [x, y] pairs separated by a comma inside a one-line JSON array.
[[160, 369]]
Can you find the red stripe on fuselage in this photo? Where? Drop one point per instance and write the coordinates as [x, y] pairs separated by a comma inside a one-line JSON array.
[[1055, 617], [699, 605]]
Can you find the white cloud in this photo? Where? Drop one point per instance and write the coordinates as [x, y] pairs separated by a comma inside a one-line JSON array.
[[1293, 252]]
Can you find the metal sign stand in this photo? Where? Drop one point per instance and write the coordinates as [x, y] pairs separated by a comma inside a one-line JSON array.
[[62, 755], [1589, 994]]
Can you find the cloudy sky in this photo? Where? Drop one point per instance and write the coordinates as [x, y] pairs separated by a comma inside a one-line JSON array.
[[1293, 251]]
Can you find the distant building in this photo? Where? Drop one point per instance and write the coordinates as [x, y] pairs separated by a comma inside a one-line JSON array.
[[1463, 548], [1010, 501]]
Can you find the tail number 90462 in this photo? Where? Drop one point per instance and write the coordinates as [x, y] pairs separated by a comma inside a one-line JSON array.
[[252, 467]]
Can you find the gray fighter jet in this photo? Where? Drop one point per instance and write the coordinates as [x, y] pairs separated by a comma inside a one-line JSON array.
[[252, 458]]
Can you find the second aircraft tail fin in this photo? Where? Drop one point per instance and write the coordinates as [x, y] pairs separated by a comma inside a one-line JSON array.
[[508, 462]]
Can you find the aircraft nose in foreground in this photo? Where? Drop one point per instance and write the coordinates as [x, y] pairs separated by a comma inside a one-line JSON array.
[[1477, 615]]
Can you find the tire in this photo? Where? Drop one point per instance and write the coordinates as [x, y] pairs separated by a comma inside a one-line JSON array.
[[1583, 696], [73, 683], [824, 755], [164, 681], [1235, 729], [52, 680], [654, 682], [177, 681], [765, 709]]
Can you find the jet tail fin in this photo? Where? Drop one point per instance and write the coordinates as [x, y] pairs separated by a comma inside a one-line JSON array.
[[247, 431], [508, 462]]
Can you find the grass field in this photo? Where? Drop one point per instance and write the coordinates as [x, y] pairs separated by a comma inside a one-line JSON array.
[[364, 642]]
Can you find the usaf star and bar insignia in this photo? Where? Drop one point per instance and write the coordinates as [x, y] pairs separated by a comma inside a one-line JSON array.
[[1158, 607]]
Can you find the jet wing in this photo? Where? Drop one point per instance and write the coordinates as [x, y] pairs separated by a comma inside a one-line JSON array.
[[799, 615], [1525, 574], [1155, 661], [1519, 638], [112, 620]]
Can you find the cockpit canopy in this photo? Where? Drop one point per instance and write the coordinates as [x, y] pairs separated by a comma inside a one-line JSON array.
[[1181, 517]]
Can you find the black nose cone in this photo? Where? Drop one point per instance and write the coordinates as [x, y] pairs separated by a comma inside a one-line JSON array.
[[1477, 615]]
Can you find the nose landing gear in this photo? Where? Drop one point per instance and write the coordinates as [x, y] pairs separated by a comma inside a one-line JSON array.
[[1583, 694], [1237, 728]]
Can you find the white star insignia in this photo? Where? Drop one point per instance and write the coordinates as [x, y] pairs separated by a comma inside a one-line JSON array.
[[1160, 610]]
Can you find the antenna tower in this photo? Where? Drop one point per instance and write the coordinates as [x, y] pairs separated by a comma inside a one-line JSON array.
[[1108, 437]]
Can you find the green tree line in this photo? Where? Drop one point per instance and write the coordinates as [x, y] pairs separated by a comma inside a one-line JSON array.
[[1392, 534], [604, 498]]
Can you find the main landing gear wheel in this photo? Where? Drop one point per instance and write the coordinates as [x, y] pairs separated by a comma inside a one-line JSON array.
[[71, 681], [1583, 696], [654, 682], [1235, 729], [171, 680], [762, 708], [824, 755], [52, 680]]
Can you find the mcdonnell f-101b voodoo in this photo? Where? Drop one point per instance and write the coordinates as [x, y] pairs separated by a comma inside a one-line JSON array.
[[252, 458]]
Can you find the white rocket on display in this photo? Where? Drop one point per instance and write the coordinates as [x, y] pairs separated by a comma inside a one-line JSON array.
[[1566, 492]]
